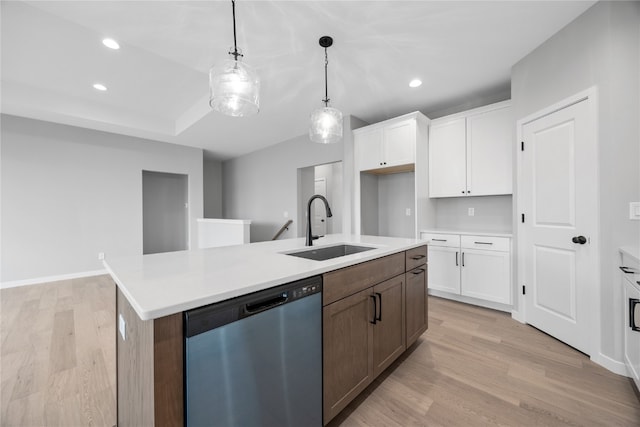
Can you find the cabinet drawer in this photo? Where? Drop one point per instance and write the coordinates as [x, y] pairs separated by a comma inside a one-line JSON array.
[[347, 281], [488, 243], [415, 257], [437, 239]]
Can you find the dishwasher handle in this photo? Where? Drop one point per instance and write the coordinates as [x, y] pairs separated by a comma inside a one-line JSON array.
[[258, 306]]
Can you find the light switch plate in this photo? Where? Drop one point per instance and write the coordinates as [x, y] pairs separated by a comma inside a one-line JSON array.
[[634, 211], [407, 212], [122, 327], [472, 211]]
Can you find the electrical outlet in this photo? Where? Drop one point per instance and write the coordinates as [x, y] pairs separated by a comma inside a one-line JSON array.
[[407, 212], [285, 214], [100, 256], [634, 211], [122, 327], [472, 211]]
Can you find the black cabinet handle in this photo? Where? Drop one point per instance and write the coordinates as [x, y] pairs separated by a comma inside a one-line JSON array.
[[462, 191], [418, 271], [379, 318], [634, 323], [417, 257], [628, 270], [581, 240], [456, 258], [463, 259], [483, 243], [438, 240], [375, 309]]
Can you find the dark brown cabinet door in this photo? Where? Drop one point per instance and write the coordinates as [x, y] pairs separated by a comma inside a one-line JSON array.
[[389, 329], [416, 305], [347, 355]]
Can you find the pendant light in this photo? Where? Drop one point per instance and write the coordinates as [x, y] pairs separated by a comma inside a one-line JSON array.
[[234, 86], [326, 122]]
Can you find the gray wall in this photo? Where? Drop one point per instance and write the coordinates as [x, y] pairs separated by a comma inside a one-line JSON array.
[[262, 185], [491, 213], [69, 193], [396, 193], [601, 48], [212, 187]]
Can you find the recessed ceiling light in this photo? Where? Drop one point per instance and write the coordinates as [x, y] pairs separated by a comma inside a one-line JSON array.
[[415, 83], [111, 44], [100, 87]]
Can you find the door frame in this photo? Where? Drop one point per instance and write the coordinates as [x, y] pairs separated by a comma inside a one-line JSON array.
[[589, 95]]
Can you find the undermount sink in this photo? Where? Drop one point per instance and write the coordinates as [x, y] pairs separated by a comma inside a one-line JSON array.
[[329, 252]]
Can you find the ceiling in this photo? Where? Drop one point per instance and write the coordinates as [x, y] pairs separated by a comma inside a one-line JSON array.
[[157, 81]]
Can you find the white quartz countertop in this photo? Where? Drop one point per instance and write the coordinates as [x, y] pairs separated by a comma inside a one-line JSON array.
[[468, 233], [159, 285]]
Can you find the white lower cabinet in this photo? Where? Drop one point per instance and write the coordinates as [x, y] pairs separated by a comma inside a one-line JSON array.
[[477, 267], [631, 292], [444, 272]]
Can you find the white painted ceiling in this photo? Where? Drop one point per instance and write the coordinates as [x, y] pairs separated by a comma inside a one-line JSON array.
[[158, 81]]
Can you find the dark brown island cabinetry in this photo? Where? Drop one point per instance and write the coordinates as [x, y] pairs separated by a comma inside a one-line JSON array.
[[416, 293], [372, 312]]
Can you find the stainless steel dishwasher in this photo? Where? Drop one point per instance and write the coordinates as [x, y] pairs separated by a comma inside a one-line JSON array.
[[256, 360]]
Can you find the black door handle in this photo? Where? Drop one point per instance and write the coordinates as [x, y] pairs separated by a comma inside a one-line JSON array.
[[634, 323], [581, 240], [375, 309], [379, 318]]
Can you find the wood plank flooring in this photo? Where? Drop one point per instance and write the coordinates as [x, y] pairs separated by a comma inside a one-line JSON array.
[[473, 367], [479, 367], [57, 355]]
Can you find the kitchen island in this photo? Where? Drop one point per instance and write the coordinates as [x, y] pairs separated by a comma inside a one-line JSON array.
[[153, 292]]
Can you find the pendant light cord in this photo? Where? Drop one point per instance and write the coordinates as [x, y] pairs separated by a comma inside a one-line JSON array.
[[235, 52], [326, 89]]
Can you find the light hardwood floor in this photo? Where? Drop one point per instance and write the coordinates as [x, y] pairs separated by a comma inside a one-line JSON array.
[[473, 367], [58, 354]]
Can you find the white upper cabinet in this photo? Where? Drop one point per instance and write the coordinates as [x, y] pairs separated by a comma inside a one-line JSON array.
[[447, 164], [470, 153], [387, 144]]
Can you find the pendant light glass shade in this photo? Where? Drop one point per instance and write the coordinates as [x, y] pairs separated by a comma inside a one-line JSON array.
[[234, 88], [326, 125]]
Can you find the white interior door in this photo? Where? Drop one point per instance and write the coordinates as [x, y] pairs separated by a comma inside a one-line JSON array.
[[319, 211], [559, 198]]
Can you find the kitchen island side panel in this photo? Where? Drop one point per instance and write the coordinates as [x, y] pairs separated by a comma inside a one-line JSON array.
[[149, 369]]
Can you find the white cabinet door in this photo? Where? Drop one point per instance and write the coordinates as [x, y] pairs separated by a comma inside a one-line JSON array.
[[368, 149], [489, 152], [447, 159], [443, 268], [485, 275], [631, 337], [399, 143]]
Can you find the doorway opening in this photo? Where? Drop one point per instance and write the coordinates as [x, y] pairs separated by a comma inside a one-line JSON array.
[[165, 212], [326, 180]]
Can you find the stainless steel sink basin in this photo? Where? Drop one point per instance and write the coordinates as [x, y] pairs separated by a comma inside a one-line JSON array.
[[329, 252]]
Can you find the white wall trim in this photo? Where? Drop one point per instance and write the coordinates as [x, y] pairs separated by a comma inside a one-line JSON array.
[[614, 366], [518, 316], [47, 279], [591, 95]]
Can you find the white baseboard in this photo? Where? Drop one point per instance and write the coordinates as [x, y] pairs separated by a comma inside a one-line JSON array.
[[517, 315], [614, 366], [468, 300], [39, 280]]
